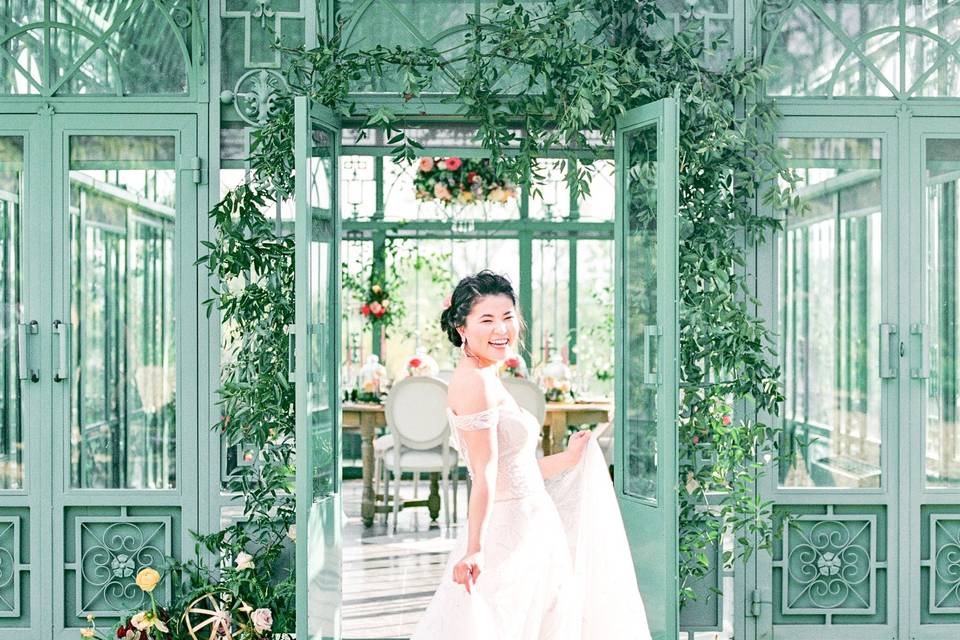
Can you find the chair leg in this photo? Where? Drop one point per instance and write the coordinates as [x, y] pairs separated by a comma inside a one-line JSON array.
[[456, 480], [445, 481], [396, 498], [386, 490]]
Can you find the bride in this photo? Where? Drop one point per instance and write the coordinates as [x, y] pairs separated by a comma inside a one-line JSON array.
[[544, 555]]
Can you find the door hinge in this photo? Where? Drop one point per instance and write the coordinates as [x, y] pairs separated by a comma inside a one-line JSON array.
[[756, 601], [196, 164]]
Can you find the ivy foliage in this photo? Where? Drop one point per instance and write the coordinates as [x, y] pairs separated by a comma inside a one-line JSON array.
[[560, 73]]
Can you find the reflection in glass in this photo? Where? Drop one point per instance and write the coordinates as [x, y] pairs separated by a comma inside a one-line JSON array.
[[640, 303], [123, 371], [942, 324], [11, 438], [830, 314]]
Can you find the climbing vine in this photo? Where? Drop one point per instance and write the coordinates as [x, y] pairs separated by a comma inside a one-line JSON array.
[[573, 66]]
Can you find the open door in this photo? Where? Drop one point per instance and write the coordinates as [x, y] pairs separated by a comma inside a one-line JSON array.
[[646, 353], [316, 372]]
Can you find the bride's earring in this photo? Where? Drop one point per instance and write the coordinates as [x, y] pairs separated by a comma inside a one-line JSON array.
[[463, 345]]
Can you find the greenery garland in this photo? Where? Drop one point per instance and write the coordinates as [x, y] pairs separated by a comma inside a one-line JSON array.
[[569, 80]]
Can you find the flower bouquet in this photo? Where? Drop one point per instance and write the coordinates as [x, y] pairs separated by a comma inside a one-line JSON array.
[[422, 364], [149, 624], [456, 180], [513, 367], [376, 305]]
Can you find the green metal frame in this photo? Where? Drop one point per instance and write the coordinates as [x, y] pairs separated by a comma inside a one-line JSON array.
[[652, 526]]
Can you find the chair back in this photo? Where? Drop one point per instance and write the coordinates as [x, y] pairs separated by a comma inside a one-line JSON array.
[[416, 412], [445, 374], [528, 395]]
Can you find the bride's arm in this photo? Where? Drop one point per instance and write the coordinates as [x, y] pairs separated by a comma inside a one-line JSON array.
[[560, 462], [482, 452]]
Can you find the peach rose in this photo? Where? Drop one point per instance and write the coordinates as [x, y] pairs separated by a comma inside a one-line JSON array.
[[426, 165], [147, 579]]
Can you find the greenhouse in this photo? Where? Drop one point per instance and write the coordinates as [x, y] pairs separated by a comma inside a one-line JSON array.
[[228, 231]]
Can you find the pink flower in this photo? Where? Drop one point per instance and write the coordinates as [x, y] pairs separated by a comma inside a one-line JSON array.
[[376, 309], [453, 163], [446, 302], [696, 439], [726, 420], [262, 620], [426, 165], [513, 362], [441, 191]]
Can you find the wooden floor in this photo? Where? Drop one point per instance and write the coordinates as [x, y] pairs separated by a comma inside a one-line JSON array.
[[389, 579]]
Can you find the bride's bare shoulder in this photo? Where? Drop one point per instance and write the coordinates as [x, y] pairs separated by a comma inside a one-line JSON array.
[[471, 390]]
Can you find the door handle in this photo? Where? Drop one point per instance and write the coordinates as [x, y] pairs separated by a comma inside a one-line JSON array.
[[23, 371], [651, 373], [922, 330], [887, 367], [291, 352], [61, 330]]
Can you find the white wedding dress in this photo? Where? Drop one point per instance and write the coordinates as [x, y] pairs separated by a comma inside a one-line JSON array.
[[557, 565]]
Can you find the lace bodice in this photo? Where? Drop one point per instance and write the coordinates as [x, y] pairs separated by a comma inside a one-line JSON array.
[[518, 474]]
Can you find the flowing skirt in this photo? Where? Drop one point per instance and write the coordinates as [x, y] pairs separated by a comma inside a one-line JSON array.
[[557, 567]]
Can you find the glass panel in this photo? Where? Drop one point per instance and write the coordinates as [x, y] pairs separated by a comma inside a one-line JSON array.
[[553, 201], [640, 304], [11, 428], [123, 372], [595, 298], [598, 204], [943, 327], [323, 526], [830, 283], [551, 285]]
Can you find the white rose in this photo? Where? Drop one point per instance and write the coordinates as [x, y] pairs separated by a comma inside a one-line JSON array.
[[292, 532], [244, 561], [262, 620]]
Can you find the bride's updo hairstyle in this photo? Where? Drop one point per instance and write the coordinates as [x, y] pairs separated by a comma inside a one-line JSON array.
[[466, 294]]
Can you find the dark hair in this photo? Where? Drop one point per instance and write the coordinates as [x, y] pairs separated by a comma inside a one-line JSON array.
[[466, 294]]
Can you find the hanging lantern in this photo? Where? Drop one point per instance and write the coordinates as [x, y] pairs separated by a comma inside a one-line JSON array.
[[556, 380], [373, 377], [422, 364]]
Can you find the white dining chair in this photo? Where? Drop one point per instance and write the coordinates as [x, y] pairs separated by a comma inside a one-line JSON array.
[[416, 416], [529, 396]]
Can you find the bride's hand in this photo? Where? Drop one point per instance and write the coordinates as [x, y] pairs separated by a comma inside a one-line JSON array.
[[468, 569], [577, 444]]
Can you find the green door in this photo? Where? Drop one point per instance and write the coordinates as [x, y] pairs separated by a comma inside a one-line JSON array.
[[22, 468], [119, 332], [646, 353], [316, 373]]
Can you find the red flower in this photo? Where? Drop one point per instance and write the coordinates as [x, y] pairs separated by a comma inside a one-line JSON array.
[[376, 309], [513, 363], [471, 175], [726, 420], [453, 163], [365, 310], [381, 312], [414, 362]]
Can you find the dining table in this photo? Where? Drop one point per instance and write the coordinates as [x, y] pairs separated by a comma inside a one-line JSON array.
[[369, 418]]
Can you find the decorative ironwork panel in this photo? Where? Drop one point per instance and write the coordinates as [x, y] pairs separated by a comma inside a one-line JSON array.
[[114, 47], [853, 48], [10, 566], [945, 566], [828, 565], [250, 64], [109, 552], [713, 18]]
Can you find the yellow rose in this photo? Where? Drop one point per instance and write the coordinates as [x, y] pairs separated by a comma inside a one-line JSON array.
[[147, 579], [87, 633]]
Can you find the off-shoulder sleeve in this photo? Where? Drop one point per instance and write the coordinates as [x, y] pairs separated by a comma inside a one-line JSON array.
[[474, 421]]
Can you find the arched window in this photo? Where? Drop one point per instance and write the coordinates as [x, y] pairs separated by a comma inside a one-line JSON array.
[[858, 48]]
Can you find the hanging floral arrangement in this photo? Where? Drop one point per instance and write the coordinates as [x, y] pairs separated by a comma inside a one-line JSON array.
[[376, 304], [456, 180]]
